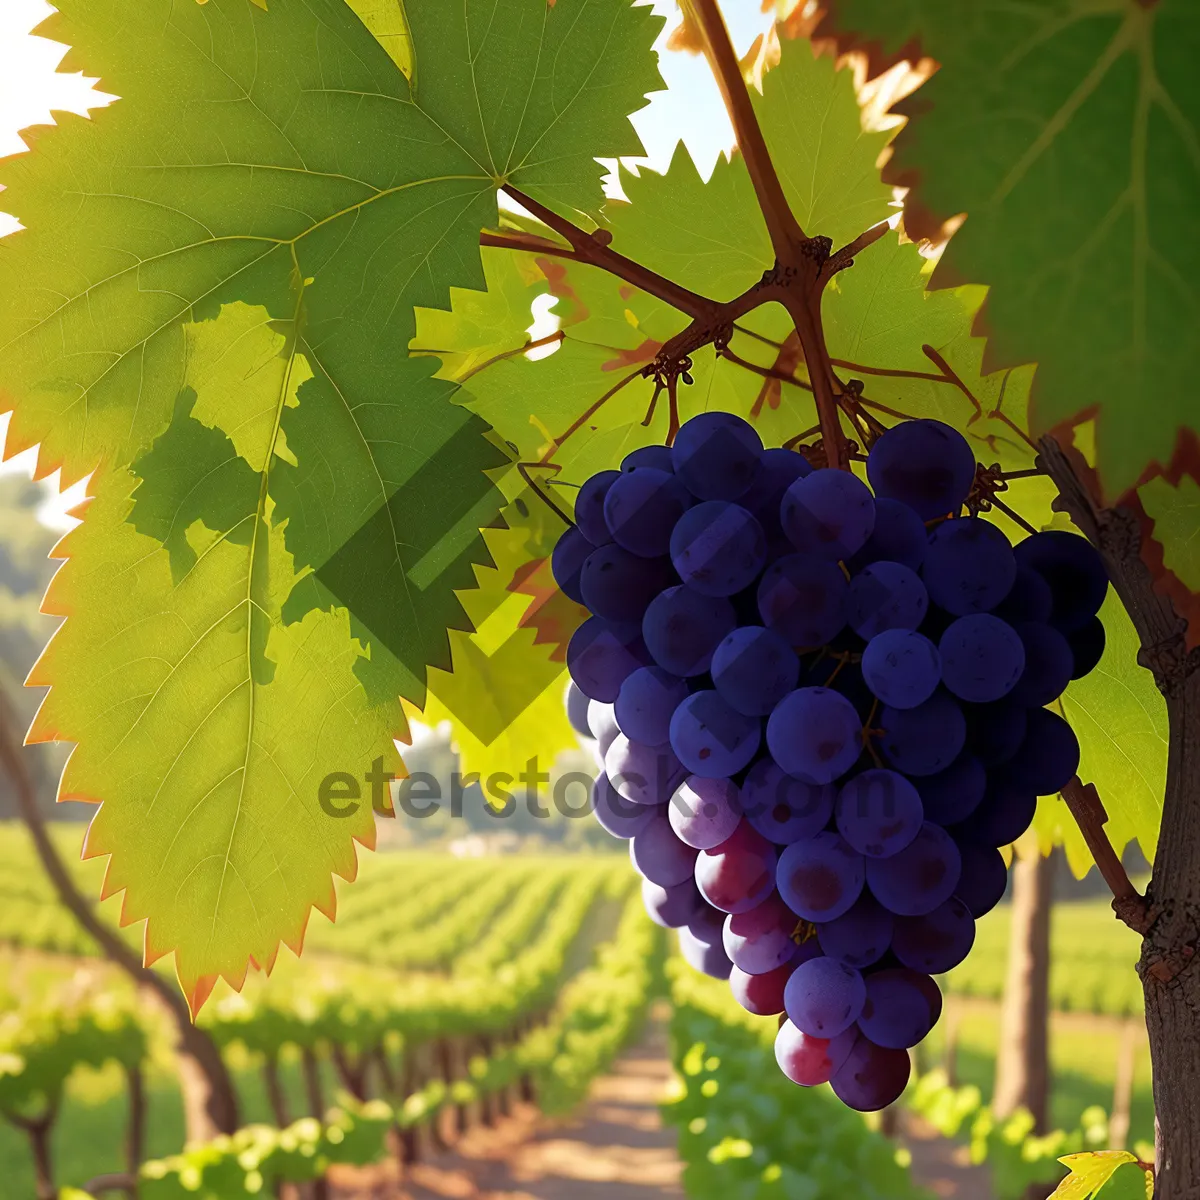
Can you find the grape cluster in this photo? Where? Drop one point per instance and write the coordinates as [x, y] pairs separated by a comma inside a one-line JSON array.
[[820, 709]]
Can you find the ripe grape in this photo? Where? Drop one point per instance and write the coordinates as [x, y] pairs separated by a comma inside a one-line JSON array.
[[618, 585], [618, 816], [886, 595], [658, 457], [704, 812], [760, 939], [1007, 810], [899, 536], [1049, 664], [923, 875], [924, 464], [718, 548], [566, 561], [879, 812], [641, 508], [708, 925], [898, 1010], [861, 936], [1073, 569], [984, 878], [903, 668], [954, 794], [589, 507], [969, 567], [577, 707], [1049, 755], [803, 599], [761, 995], [811, 1061], [753, 669], [1030, 598], [995, 731], [820, 877], [1087, 646], [815, 734], [710, 738], [707, 957], [938, 941], [739, 874], [872, 1077], [645, 703], [672, 907], [602, 655], [717, 455], [642, 774], [824, 997], [782, 808], [682, 628], [780, 468], [982, 658], [658, 855], [828, 514], [923, 740]]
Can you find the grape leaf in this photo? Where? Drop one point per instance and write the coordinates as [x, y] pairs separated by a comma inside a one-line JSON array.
[[1070, 136], [387, 22], [1089, 1172], [1176, 515]]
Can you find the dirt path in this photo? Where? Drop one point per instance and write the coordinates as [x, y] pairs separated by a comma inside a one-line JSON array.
[[942, 1165], [613, 1148]]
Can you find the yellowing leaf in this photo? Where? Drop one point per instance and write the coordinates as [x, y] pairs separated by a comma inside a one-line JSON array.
[[386, 20], [1090, 1172]]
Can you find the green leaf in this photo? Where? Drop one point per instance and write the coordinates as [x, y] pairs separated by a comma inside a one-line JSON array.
[[1070, 136], [1089, 1172], [1176, 515]]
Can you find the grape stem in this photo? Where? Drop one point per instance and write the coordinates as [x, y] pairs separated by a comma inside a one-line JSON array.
[[1086, 807]]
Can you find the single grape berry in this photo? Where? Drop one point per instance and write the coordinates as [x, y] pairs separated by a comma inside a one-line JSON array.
[[646, 702], [902, 667], [718, 548], [803, 599], [815, 734], [829, 514], [982, 658], [969, 567], [618, 585], [782, 808], [589, 507], [754, 668], [923, 464], [602, 655], [717, 455], [682, 629], [886, 595], [879, 813], [1073, 569], [820, 877]]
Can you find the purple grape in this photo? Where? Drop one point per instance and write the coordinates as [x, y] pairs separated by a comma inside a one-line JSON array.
[[924, 464], [705, 812], [984, 878], [682, 628], [821, 877], [761, 995], [995, 731], [672, 907], [753, 669], [969, 567], [642, 774], [601, 656], [982, 658], [566, 561], [903, 668], [780, 468], [707, 957], [658, 457], [589, 508], [824, 997], [576, 704], [641, 508], [739, 874], [899, 536], [886, 595], [860, 937], [803, 598], [1087, 647], [644, 705], [618, 816], [1048, 756], [879, 812], [710, 738], [938, 941], [898, 1013], [1049, 665], [718, 548], [1074, 570], [1007, 810], [1030, 598], [717, 455], [618, 585], [828, 514], [872, 1076], [923, 875], [784, 809], [922, 740], [760, 939], [658, 855], [708, 925], [811, 1061], [954, 794], [815, 734]]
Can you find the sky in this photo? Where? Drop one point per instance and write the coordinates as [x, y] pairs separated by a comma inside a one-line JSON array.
[[31, 86]]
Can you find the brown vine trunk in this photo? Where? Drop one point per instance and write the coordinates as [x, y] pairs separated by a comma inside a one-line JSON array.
[[1170, 920], [1023, 1070], [311, 1067], [275, 1093], [209, 1100], [135, 1135], [38, 1133]]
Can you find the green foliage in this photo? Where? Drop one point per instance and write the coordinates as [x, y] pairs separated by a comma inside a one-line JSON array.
[[1068, 135], [212, 301]]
